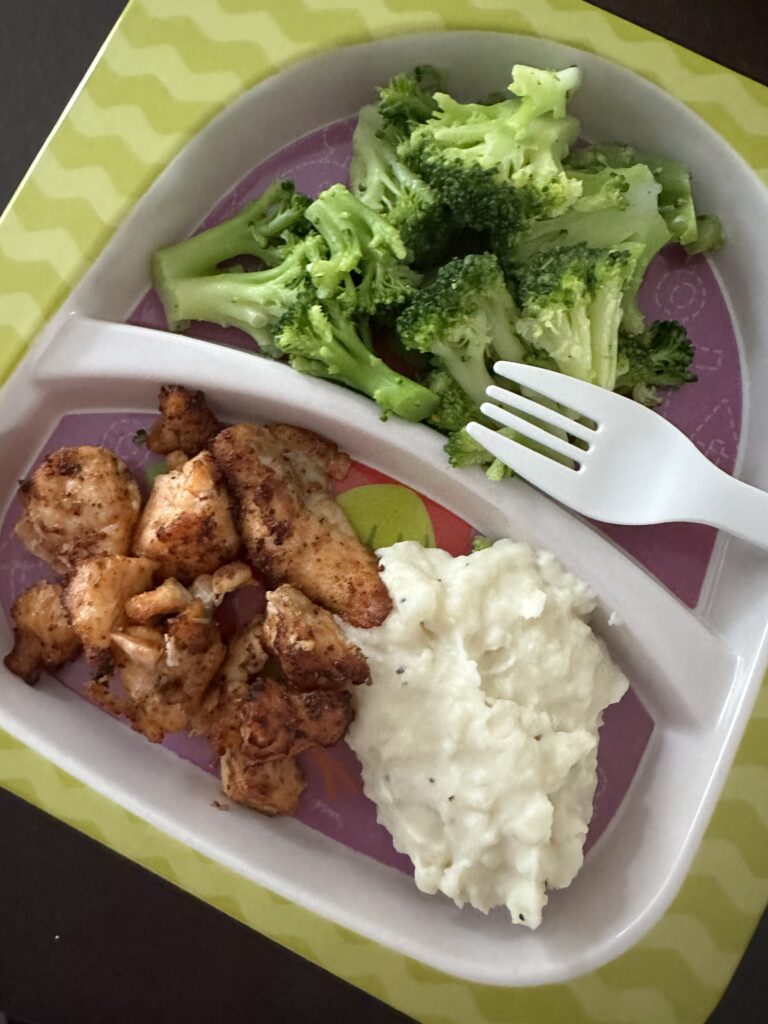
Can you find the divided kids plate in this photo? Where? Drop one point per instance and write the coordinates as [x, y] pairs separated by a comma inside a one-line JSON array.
[[693, 645]]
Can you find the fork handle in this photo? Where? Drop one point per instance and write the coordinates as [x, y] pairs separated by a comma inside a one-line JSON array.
[[733, 506]]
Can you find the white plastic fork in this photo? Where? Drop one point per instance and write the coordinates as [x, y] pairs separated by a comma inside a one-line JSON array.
[[635, 468]]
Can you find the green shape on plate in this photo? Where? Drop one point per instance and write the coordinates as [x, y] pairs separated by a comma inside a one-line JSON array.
[[154, 470], [383, 514]]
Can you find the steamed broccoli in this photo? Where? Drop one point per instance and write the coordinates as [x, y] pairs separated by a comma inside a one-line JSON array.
[[455, 408], [252, 300], [616, 207], [675, 200], [382, 181], [364, 265], [462, 451], [321, 340], [496, 164], [570, 306], [709, 235], [463, 318], [408, 99], [263, 228], [659, 358]]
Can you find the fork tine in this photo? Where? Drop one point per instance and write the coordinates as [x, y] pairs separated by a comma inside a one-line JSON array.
[[549, 476], [584, 399], [553, 417], [532, 432]]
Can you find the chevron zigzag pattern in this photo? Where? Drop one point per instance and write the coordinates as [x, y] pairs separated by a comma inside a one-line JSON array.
[[169, 67]]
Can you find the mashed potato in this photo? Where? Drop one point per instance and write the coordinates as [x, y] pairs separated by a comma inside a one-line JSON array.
[[478, 734]]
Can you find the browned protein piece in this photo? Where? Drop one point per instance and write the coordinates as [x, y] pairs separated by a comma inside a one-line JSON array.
[[272, 721], [309, 644], [165, 672], [244, 660], [271, 787], [294, 530], [96, 597], [186, 423], [187, 525], [79, 503], [258, 737], [43, 635], [167, 599]]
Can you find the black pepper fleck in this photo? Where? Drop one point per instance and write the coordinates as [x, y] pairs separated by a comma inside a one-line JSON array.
[[431, 779], [400, 670]]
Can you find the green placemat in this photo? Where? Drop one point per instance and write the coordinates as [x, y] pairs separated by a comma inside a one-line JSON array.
[[168, 67]]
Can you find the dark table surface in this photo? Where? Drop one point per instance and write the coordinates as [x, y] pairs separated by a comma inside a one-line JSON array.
[[85, 935]]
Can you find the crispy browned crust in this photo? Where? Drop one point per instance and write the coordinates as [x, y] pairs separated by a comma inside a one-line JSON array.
[[311, 446], [165, 673], [244, 660], [96, 596], [309, 644], [272, 721], [187, 525], [185, 422], [195, 655], [271, 787], [167, 599], [43, 635], [293, 529], [79, 503], [323, 717]]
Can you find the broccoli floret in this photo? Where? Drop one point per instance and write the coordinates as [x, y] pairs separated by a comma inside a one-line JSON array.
[[616, 207], [495, 164], [364, 265], [462, 451], [710, 235], [382, 181], [675, 199], [408, 98], [473, 194], [455, 408], [262, 228], [321, 340], [659, 358], [570, 306], [253, 301], [463, 318]]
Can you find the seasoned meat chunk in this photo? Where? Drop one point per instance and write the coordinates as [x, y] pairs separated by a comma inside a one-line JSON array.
[[272, 788], [187, 526], [79, 503], [311, 648], [96, 597], [272, 721], [212, 589], [322, 717], [168, 598], [186, 423], [165, 674], [293, 529], [43, 635]]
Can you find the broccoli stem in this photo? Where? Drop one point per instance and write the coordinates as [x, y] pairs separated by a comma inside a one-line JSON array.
[[248, 232], [231, 300], [202, 253], [362, 371], [355, 365], [323, 341], [470, 373]]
